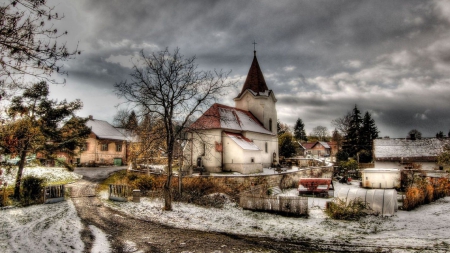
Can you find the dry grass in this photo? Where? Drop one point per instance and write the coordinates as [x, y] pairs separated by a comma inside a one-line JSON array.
[[425, 191], [340, 210]]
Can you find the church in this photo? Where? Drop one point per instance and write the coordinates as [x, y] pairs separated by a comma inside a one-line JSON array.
[[237, 139]]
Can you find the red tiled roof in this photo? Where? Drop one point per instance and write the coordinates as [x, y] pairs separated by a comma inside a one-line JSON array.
[[255, 79], [220, 116]]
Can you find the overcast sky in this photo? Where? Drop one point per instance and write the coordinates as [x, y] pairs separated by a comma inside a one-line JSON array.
[[390, 58]]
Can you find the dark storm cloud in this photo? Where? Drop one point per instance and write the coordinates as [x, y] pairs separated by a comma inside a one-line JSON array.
[[320, 57]]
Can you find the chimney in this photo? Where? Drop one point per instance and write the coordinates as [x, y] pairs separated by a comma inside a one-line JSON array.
[[90, 117]]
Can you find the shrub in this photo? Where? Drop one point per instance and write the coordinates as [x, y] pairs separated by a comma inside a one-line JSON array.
[[425, 191], [32, 190], [340, 210], [144, 183]]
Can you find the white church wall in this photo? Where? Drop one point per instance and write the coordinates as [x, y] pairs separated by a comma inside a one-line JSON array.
[[262, 107], [265, 158], [203, 145]]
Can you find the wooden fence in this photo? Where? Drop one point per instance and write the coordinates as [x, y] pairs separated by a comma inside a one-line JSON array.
[[256, 199], [54, 193], [119, 192]]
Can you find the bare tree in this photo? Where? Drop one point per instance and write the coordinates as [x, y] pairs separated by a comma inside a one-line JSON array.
[[321, 133], [342, 124], [172, 88], [28, 42]]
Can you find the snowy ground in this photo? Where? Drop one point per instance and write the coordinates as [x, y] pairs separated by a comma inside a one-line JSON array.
[[427, 227], [51, 174], [56, 227]]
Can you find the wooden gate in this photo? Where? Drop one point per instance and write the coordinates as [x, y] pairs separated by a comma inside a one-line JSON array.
[[54, 194]]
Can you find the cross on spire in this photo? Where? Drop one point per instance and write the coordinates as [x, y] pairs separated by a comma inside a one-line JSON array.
[[254, 47]]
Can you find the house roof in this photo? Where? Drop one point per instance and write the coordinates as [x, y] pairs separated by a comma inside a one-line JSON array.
[[242, 142], [324, 144], [104, 130], [129, 135], [255, 80], [310, 145], [220, 116], [417, 150]]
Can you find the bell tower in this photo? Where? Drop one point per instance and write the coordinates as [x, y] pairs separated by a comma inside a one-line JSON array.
[[256, 97]]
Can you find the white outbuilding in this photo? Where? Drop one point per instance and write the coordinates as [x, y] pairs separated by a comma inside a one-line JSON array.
[[378, 178]]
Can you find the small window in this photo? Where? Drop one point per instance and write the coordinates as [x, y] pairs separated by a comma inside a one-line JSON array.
[[252, 160], [104, 147], [118, 147], [203, 149], [266, 147], [270, 125]]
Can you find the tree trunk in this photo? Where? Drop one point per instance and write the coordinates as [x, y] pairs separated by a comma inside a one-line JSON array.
[[23, 156], [166, 191]]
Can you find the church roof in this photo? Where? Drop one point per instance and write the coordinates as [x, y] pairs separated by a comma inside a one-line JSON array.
[[220, 116], [255, 79], [242, 142]]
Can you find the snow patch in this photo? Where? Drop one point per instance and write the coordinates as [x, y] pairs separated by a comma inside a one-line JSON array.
[[41, 228], [101, 243]]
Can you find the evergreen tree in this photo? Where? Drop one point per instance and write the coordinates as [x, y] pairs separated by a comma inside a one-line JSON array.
[[440, 135], [287, 147], [369, 132], [132, 122], [352, 138], [299, 131], [40, 125]]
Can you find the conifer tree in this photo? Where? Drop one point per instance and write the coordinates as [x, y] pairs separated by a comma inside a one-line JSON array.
[[352, 138], [299, 130], [369, 132], [40, 125]]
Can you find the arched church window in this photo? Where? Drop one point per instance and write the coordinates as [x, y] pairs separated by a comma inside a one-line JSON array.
[[270, 125]]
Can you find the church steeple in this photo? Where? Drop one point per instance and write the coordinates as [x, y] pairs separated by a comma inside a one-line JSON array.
[[255, 79]]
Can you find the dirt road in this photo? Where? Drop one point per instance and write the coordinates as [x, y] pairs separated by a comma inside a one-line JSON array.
[[127, 234]]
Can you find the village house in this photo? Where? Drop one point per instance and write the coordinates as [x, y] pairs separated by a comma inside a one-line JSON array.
[[241, 138], [318, 148], [404, 153], [106, 145]]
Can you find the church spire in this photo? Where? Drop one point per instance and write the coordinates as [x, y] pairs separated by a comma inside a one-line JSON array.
[[255, 79]]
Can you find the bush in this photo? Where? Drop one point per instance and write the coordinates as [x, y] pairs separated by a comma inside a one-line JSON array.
[[32, 190], [144, 183], [424, 192], [340, 210]]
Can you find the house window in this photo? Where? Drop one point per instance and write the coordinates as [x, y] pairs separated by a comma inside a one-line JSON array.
[[203, 149], [266, 148], [252, 160], [270, 125], [104, 147], [118, 147]]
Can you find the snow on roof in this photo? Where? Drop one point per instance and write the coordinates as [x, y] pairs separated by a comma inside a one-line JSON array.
[[405, 148], [243, 142], [132, 137], [104, 130], [225, 117], [324, 144]]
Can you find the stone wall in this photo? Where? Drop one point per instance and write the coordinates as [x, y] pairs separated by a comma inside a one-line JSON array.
[[283, 180]]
